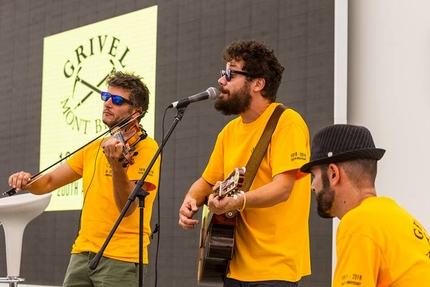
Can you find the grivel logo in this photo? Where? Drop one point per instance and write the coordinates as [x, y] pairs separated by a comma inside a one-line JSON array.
[[87, 71]]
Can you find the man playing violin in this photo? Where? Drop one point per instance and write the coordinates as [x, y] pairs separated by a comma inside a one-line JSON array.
[[107, 182]]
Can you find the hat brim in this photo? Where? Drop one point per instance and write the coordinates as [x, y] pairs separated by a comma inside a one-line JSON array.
[[368, 153]]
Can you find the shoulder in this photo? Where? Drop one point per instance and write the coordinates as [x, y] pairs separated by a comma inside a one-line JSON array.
[[292, 116], [95, 145], [373, 213], [365, 209], [292, 122], [231, 125], [148, 142]]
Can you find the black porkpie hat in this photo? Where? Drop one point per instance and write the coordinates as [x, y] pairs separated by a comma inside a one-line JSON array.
[[342, 142]]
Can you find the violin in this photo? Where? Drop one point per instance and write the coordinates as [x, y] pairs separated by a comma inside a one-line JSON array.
[[129, 135], [129, 132]]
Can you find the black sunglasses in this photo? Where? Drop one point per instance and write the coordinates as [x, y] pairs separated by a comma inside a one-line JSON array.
[[227, 74], [116, 100]]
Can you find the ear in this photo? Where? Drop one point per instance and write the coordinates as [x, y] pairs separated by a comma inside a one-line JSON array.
[[137, 109], [333, 174], [258, 84]]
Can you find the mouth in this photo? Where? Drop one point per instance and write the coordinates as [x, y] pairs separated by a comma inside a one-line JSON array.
[[223, 92], [107, 113]]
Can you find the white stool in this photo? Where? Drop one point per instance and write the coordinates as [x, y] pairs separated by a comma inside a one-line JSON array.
[[15, 213]]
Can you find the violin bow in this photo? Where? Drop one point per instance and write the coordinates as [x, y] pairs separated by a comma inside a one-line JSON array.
[[40, 174]]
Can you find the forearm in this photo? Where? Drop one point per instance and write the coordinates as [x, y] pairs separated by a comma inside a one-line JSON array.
[[39, 185], [195, 198], [122, 189], [277, 191], [200, 190], [43, 183]]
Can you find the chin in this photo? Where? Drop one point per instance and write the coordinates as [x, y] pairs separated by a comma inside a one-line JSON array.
[[106, 122], [324, 213]]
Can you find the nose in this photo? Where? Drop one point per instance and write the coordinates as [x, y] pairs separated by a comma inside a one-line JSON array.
[[222, 81], [108, 102]]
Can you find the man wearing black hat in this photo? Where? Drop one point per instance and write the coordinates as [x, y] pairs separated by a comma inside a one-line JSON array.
[[378, 243]]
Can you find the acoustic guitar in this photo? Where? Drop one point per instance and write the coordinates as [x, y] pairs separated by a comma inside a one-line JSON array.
[[217, 234]]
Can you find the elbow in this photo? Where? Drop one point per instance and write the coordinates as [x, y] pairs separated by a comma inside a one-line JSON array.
[[39, 192], [130, 210], [285, 195]]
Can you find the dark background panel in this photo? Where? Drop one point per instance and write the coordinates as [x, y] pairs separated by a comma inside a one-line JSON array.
[[191, 37]]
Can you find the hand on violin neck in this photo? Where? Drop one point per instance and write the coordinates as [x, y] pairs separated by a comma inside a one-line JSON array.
[[124, 140], [113, 150]]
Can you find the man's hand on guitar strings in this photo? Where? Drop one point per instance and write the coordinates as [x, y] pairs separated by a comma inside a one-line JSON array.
[[220, 205], [186, 213]]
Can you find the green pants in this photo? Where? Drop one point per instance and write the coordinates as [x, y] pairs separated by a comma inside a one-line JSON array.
[[108, 273]]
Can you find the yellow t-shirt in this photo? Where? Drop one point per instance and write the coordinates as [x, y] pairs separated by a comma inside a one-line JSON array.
[[270, 243], [380, 244], [99, 212]]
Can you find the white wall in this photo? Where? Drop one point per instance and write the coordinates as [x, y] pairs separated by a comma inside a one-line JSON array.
[[340, 114], [389, 92]]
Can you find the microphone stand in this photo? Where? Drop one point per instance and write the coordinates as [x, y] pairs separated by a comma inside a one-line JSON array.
[[141, 194]]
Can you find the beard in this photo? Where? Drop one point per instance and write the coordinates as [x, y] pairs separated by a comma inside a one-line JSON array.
[[325, 198], [235, 103], [116, 119]]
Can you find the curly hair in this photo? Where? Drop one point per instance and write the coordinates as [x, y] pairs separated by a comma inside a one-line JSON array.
[[133, 83], [260, 61]]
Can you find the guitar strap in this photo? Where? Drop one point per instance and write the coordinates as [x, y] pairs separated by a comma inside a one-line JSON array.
[[261, 147], [212, 269]]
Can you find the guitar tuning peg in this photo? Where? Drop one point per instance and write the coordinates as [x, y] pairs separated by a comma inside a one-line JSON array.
[[135, 153], [121, 159], [124, 165]]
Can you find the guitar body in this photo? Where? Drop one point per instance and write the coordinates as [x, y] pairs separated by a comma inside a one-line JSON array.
[[217, 235], [216, 248]]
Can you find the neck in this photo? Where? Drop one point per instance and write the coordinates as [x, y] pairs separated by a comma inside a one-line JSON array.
[[355, 198], [257, 108]]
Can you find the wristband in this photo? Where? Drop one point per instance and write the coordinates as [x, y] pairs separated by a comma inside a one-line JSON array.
[[244, 201]]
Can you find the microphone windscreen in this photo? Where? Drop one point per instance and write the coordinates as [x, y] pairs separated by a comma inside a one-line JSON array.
[[213, 93]]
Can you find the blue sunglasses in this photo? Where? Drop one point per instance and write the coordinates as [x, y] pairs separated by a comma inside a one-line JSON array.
[[116, 100]]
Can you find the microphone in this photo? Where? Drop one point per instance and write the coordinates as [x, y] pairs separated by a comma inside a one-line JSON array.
[[210, 93]]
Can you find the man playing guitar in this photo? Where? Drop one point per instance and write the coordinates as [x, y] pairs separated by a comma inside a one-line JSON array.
[[271, 238]]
